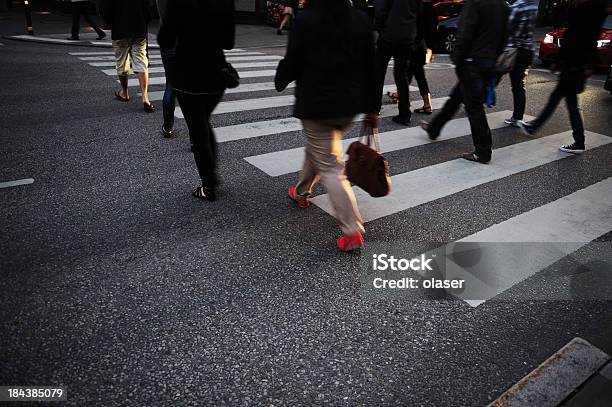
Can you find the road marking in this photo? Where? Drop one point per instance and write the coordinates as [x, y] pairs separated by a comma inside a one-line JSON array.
[[241, 65], [458, 175], [287, 161], [245, 88], [9, 184], [156, 61], [161, 80], [578, 218], [112, 53], [43, 39], [244, 105]]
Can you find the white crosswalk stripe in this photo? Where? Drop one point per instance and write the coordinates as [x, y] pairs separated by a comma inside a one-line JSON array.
[[160, 69], [455, 176]]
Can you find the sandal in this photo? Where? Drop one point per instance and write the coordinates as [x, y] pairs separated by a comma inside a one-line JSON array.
[[148, 107], [424, 110], [121, 98], [394, 96], [204, 193]]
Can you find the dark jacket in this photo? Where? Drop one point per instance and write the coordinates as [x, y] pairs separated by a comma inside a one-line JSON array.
[[482, 30], [126, 18], [579, 48], [333, 81], [201, 31], [399, 21]]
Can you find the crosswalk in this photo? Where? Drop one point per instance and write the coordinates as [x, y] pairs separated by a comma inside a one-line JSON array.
[[579, 217]]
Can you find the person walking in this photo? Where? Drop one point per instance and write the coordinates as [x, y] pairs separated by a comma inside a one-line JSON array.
[[78, 9], [168, 60], [128, 21], [289, 10], [480, 40], [576, 57], [399, 26], [201, 30], [521, 23], [330, 55]]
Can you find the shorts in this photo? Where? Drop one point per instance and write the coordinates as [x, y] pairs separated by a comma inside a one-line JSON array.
[[131, 53], [287, 11]]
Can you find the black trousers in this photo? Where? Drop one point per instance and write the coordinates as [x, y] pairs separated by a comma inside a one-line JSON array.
[[197, 110], [518, 77], [401, 57], [417, 70], [473, 77], [569, 86], [80, 9]]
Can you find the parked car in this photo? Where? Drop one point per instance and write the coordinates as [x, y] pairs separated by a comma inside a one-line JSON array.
[[446, 20], [549, 46], [608, 83]]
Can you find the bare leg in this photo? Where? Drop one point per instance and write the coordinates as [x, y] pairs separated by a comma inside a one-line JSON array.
[[284, 22], [427, 100], [123, 80], [143, 79]]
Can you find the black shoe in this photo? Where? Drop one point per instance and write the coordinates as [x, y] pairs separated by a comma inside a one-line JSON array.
[[206, 193], [167, 133], [573, 148], [279, 32], [101, 37], [401, 120], [425, 126], [473, 157], [526, 128], [73, 39]]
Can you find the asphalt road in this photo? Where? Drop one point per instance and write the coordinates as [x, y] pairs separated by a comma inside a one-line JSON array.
[[118, 284]]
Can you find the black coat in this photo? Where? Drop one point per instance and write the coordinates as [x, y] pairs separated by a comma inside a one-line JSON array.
[[399, 21], [126, 18], [579, 48], [482, 30], [332, 81], [201, 30]]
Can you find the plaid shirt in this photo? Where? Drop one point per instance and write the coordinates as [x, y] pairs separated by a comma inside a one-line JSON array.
[[523, 14]]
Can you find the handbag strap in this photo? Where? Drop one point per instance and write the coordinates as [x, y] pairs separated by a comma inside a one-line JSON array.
[[370, 134]]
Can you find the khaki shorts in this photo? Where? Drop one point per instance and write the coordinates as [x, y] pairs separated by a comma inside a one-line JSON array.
[[131, 53]]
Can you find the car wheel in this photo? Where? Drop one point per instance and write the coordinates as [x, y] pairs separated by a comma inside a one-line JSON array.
[[449, 41]]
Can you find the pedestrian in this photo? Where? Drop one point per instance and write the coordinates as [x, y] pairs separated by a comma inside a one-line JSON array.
[[128, 21], [201, 31], [521, 23], [400, 27], [79, 8], [330, 55], [576, 57], [289, 10], [168, 60], [480, 40]]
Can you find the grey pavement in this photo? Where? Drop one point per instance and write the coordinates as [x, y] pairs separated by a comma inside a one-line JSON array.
[[118, 284]]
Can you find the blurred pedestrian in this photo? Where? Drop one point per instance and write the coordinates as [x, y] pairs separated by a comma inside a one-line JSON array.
[[576, 57], [521, 23], [330, 55], [79, 8], [201, 30], [168, 60], [289, 10], [128, 21], [399, 25], [480, 40]]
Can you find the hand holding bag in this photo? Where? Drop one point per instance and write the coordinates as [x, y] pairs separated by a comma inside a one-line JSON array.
[[366, 167], [230, 76], [507, 60]]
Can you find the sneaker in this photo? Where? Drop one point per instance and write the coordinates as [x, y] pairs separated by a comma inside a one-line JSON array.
[[526, 128], [401, 120], [351, 242], [512, 122], [573, 148], [302, 202], [167, 133]]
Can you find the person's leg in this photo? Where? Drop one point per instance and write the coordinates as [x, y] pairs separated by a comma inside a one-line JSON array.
[[196, 110], [517, 78], [122, 63], [308, 176], [571, 99], [553, 100], [76, 15], [472, 82], [90, 21], [169, 100], [401, 57], [324, 138], [383, 56], [446, 113], [419, 75], [139, 57]]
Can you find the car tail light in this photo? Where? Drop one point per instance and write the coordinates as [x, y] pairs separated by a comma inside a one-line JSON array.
[[549, 39], [603, 43], [442, 18]]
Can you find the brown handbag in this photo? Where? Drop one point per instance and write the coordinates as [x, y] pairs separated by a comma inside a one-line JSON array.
[[366, 167]]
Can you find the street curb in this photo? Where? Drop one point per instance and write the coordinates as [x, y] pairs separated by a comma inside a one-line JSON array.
[[556, 378], [53, 41]]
